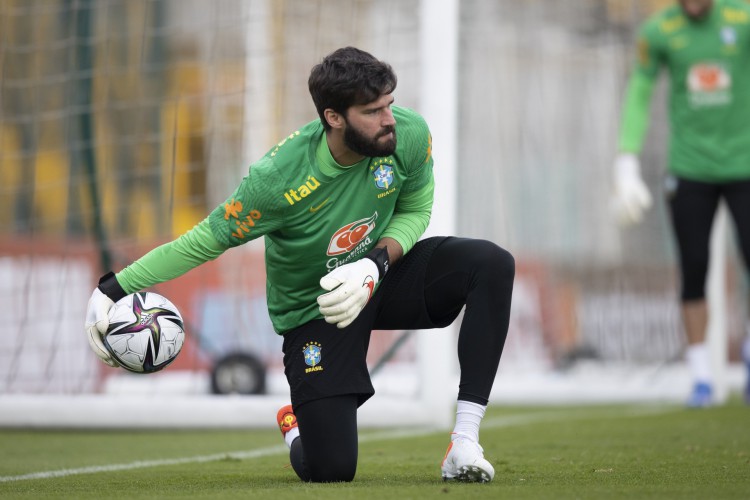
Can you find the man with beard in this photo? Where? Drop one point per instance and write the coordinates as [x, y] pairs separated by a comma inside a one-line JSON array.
[[342, 203], [705, 47]]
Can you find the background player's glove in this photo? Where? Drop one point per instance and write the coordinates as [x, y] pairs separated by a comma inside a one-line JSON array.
[[631, 196], [350, 287], [97, 315]]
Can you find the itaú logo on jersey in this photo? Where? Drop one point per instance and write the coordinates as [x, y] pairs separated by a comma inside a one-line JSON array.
[[348, 237]]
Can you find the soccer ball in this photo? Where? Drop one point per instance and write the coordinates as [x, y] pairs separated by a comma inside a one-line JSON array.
[[145, 332]]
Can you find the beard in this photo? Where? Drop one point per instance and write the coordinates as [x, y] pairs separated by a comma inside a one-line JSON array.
[[698, 15], [365, 146]]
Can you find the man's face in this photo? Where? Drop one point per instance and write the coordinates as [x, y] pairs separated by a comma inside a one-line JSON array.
[[371, 128], [696, 9]]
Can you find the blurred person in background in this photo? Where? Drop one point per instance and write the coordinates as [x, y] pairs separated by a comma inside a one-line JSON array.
[[342, 203], [705, 47]]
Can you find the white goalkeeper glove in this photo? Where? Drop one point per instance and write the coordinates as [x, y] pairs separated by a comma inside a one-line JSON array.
[[631, 196], [97, 322], [350, 287], [97, 316]]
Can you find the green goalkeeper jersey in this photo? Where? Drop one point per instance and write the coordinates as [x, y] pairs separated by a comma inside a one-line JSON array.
[[317, 219], [315, 215], [708, 61]]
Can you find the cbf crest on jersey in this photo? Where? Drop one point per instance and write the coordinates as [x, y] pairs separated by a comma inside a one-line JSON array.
[[313, 352], [728, 35], [383, 176]]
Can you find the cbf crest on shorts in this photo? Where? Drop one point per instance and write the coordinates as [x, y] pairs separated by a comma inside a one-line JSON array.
[[313, 353]]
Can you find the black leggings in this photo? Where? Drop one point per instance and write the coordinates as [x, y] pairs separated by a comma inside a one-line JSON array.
[[693, 207], [453, 273], [460, 273], [330, 429]]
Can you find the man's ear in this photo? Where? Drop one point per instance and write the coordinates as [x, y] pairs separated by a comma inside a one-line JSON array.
[[334, 119]]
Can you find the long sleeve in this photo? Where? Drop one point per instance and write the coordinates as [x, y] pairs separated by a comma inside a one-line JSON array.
[[635, 115], [172, 259], [412, 216]]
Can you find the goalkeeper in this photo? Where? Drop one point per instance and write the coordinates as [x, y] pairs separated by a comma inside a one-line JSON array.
[[342, 203], [705, 47]]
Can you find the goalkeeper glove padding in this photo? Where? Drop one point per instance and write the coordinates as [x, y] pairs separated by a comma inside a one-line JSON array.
[[350, 287], [102, 299], [631, 196]]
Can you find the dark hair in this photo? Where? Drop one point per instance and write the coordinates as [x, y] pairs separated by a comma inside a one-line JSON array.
[[347, 77]]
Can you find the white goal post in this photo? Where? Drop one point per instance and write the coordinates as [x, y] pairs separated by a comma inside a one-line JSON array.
[[716, 294], [438, 104]]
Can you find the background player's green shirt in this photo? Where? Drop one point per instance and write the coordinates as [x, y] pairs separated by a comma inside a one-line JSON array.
[[708, 62]]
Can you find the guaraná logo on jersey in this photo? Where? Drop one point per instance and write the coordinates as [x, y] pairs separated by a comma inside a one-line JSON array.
[[313, 352], [383, 176], [709, 84], [348, 237]]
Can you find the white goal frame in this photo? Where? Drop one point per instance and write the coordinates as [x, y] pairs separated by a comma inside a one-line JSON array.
[[436, 370]]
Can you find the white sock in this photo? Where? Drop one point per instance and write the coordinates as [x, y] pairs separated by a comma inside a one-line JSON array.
[[468, 417], [698, 362], [291, 436]]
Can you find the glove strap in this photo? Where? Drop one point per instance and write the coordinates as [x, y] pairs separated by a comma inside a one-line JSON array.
[[380, 257], [110, 287]]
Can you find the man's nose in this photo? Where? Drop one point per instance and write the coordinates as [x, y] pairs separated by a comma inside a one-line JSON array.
[[388, 119]]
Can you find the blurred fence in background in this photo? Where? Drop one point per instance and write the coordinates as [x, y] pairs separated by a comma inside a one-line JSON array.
[[123, 123]]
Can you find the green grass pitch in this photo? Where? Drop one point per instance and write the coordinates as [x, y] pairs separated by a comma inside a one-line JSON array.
[[596, 452]]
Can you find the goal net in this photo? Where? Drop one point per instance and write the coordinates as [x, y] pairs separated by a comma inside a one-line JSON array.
[[123, 123]]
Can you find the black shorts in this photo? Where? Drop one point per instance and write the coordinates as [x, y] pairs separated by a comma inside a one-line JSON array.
[[693, 207], [321, 360]]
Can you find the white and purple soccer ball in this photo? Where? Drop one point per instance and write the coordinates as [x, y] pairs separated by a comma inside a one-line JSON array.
[[145, 333]]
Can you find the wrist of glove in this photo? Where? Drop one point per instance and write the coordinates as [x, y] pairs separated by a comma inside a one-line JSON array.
[[102, 299], [350, 287], [380, 257], [631, 195]]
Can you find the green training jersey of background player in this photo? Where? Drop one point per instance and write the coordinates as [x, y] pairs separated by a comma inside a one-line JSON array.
[[709, 66], [313, 221]]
